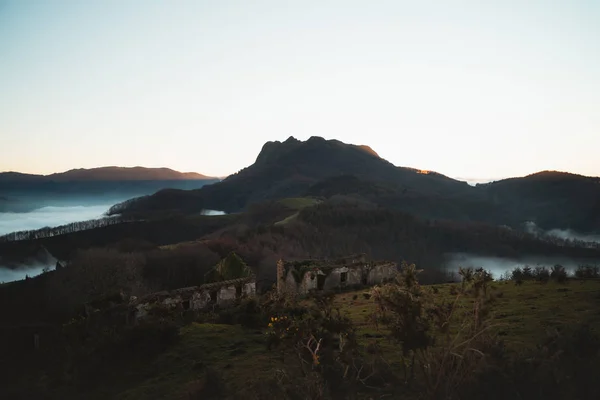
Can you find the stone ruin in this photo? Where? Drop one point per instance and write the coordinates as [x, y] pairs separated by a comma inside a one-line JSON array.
[[305, 276], [223, 294]]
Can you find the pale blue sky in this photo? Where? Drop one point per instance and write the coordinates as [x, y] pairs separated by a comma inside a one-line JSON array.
[[478, 89]]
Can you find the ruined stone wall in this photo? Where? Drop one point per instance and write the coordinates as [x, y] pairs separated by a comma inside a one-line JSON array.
[[309, 282], [226, 295], [249, 289], [196, 298], [290, 284], [354, 271], [381, 272], [344, 276], [281, 281]]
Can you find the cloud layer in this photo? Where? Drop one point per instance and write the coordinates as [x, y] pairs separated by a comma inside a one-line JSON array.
[[49, 216]]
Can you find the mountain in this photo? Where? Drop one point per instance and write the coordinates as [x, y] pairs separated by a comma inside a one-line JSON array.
[[325, 168], [291, 168], [106, 174]]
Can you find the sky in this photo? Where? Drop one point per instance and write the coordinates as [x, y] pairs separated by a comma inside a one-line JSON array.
[[471, 89]]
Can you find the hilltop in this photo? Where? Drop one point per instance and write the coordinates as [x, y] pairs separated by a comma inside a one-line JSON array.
[[326, 168], [290, 168]]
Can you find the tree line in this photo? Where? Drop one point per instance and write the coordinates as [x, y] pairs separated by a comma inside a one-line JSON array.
[[47, 231]]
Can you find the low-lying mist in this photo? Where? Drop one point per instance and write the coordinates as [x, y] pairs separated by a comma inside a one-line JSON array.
[[10, 275], [499, 266], [49, 216], [567, 234]]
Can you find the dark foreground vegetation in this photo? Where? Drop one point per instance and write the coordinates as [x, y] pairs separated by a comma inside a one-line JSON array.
[[474, 339]]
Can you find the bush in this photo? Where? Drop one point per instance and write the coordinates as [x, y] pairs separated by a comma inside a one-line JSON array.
[[541, 274], [559, 274], [587, 272], [527, 273]]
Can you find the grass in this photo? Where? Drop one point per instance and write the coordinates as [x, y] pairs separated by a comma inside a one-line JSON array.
[[521, 315], [237, 354], [298, 203]]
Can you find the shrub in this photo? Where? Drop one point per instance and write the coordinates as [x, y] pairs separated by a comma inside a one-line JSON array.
[[587, 272], [559, 274], [516, 274], [439, 360], [541, 274], [527, 272]]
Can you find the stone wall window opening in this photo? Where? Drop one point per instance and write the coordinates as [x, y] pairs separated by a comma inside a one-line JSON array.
[[213, 296], [238, 291], [343, 277], [186, 304], [320, 281]]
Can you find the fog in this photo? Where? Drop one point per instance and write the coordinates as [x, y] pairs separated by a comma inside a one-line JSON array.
[[498, 266], [212, 212], [49, 216], [10, 275], [532, 228], [569, 234]]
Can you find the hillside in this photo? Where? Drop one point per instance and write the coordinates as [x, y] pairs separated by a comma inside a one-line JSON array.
[[326, 168], [290, 168], [551, 199], [105, 174]]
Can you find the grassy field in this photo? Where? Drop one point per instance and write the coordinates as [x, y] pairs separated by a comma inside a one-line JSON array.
[[238, 358], [209, 356], [296, 203], [520, 315]]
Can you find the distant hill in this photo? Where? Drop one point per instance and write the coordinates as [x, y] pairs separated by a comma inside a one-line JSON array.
[[100, 186], [106, 174], [551, 199]]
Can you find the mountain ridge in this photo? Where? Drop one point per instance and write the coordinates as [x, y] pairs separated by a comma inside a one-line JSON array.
[[294, 168], [107, 173]]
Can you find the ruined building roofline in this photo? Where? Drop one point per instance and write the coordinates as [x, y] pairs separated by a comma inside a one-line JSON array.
[[335, 263], [190, 290], [230, 282], [325, 260]]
